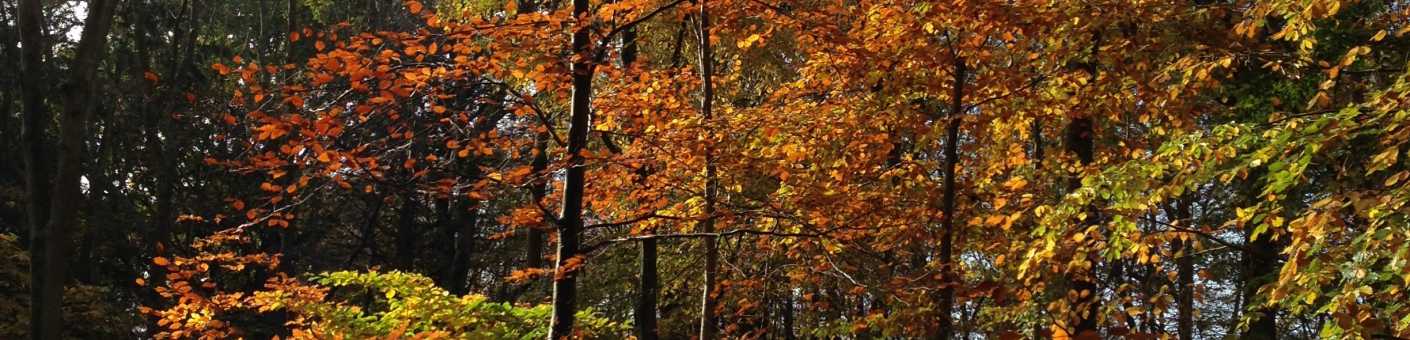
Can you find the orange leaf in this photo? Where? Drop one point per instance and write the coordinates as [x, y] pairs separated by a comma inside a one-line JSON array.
[[220, 68], [160, 261]]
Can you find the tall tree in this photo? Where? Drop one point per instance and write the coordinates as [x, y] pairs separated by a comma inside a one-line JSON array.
[[570, 220], [947, 220], [51, 243], [709, 296]]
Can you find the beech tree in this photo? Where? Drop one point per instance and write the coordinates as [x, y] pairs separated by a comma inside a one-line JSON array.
[[710, 169]]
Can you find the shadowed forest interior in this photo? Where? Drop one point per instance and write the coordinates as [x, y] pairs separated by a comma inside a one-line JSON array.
[[704, 169]]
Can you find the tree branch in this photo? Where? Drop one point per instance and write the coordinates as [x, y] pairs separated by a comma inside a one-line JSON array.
[[598, 245]]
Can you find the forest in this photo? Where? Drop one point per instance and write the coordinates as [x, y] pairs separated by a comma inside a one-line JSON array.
[[704, 169]]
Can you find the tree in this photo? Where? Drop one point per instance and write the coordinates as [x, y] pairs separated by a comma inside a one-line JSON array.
[[50, 231]]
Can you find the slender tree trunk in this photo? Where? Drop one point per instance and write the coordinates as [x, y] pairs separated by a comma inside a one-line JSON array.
[[570, 224], [788, 316], [947, 221], [645, 315], [1259, 265], [9, 59], [1260, 262], [50, 267], [1185, 272], [289, 27], [465, 240], [534, 252], [712, 252], [34, 125], [406, 233]]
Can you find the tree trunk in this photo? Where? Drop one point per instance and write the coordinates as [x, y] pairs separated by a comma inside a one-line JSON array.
[[52, 243], [534, 252], [570, 224], [465, 239], [1259, 267], [1184, 285], [1260, 263], [788, 316], [35, 123], [947, 221], [645, 314], [712, 252], [407, 233]]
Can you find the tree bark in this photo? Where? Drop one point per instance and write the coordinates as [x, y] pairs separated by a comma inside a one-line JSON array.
[[947, 221], [407, 233], [1184, 282], [34, 125], [570, 222], [536, 239], [709, 300], [465, 239], [51, 244], [1259, 261], [1260, 265]]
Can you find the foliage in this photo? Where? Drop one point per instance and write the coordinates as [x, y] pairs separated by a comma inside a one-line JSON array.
[[373, 304], [90, 309], [1033, 168]]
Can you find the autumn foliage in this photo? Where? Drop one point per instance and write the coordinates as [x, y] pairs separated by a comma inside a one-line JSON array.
[[876, 168]]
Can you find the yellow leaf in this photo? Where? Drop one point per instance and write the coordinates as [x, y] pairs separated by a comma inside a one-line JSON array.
[[748, 41]]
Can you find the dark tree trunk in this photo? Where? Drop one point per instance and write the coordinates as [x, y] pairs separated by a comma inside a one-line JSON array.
[[534, 253], [709, 298], [570, 224], [1185, 272], [1260, 265], [645, 315], [34, 125], [407, 233], [51, 245], [465, 241], [947, 221], [788, 316]]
